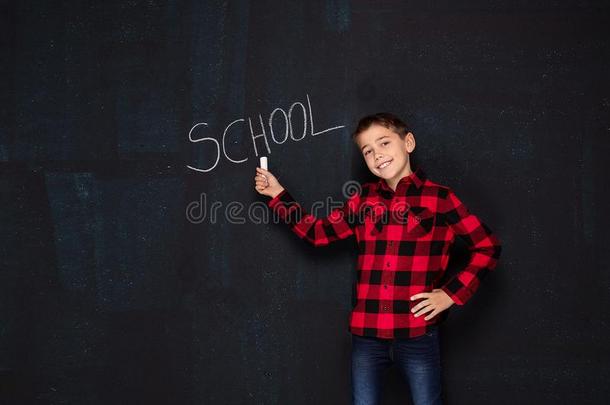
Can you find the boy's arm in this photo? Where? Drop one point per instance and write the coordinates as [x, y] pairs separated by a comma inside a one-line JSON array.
[[317, 231], [483, 244]]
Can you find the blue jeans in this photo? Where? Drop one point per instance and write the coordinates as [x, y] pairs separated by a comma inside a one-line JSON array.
[[418, 360]]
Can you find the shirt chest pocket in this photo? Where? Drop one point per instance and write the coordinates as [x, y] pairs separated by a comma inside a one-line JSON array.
[[373, 220], [418, 221]]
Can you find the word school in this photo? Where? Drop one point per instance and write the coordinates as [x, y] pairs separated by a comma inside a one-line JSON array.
[[221, 147]]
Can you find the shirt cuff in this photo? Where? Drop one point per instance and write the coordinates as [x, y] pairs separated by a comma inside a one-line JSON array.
[[275, 200], [460, 293]]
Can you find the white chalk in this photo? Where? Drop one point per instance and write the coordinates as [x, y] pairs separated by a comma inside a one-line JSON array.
[[264, 163]]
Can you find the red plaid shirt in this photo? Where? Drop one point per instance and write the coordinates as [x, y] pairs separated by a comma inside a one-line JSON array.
[[403, 240]]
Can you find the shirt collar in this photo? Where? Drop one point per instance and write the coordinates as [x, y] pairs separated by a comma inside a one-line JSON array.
[[417, 177]]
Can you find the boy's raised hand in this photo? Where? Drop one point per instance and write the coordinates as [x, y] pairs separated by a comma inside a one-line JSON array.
[[266, 183]]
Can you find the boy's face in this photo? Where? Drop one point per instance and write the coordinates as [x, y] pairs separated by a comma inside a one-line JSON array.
[[385, 154]]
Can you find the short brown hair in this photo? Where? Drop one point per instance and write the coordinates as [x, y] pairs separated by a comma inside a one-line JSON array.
[[385, 119]]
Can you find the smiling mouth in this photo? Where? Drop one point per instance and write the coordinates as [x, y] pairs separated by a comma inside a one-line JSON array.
[[384, 164]]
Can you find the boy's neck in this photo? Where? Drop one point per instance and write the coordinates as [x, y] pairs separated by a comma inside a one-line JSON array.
[[392, 183]]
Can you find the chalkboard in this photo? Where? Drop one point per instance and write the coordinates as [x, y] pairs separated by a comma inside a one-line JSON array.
[[131, 271]]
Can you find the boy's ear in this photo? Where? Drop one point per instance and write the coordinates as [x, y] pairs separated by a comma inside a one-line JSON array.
[[410, 139]]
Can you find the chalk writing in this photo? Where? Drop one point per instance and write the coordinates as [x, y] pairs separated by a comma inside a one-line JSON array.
[[258, 133]]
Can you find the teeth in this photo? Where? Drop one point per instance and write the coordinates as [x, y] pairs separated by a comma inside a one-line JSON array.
[[384, 165]]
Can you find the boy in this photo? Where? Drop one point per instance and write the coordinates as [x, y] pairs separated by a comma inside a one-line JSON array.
[[404, 224]]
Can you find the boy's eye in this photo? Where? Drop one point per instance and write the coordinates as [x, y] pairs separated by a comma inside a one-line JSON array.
[[385, 143], [366, 153]]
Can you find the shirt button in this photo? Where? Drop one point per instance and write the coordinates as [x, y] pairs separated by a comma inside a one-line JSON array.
[[385, 286], [388, 264], [391, 243]]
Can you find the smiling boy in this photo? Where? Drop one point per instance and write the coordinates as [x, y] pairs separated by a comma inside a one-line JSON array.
[[404, 224]]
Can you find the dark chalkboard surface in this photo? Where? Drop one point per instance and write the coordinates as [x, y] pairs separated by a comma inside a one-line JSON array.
[[125, 123]]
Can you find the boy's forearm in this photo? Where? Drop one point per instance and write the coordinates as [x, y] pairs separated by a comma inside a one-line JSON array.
[[317, 231], [484, 258], [483, 244]]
